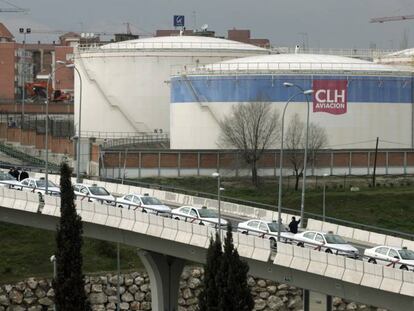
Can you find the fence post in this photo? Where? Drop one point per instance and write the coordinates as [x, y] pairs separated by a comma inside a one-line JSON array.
[[369, 162], [386, 163], [350, 163], [332, 162], [179, 163], [405, 162], [159, 164], [198, 163], [139, 164]]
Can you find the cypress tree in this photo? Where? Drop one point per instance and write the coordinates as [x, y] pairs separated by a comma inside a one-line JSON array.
[[209, 297], [234, 292], [69, 282]]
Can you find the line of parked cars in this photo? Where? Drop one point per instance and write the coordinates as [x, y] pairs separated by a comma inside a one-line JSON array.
[[328, 242]]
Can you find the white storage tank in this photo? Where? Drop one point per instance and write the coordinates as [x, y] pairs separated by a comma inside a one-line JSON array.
[[125, 85], [354, 100]]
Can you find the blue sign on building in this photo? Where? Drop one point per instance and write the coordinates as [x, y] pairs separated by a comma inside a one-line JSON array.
[[178, 20]]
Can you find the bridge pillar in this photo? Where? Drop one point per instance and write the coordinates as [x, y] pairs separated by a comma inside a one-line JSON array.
[[313, 301], [164, 273]]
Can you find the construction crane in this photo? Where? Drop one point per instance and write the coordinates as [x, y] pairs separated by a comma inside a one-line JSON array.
[[390, 19], [14, 9]]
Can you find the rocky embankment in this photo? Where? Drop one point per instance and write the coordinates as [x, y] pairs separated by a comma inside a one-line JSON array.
[[37, 295]]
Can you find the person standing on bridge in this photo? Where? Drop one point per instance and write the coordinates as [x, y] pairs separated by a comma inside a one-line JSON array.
[[293, 226]]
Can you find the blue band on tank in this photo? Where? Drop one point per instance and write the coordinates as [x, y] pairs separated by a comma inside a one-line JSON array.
[[269, 88]]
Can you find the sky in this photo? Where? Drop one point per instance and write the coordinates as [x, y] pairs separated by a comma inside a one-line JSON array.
[[313, 23]]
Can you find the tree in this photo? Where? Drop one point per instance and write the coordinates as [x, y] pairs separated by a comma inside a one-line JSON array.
[[209, 297], [295, 141], [250, 128], [69, 283], [235, 293]]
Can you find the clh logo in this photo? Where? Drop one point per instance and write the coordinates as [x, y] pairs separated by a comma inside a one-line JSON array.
[[330, 96]]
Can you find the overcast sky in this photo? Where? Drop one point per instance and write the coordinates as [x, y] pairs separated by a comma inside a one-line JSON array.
[[321, 23]]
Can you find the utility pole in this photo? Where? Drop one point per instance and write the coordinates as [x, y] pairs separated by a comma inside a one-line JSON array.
[[375, 163], [24, 32]]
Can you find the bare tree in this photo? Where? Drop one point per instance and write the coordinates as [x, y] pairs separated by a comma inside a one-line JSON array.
[[295, 141], [252, 128]]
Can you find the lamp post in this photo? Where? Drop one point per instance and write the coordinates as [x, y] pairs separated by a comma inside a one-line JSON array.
[[79, 123], [217, 175], [323, 201], [279, 205], [47, 125], [305, 159], [53, 261]]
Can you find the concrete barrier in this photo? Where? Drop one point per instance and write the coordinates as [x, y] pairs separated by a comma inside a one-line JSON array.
[[138, 221], [185, 232], [20, 200], [377, 238], [32, 202], [261, 250], [301, 258], [87, 211], [51, 205], [128, 220], [284, 254], [318, 262], [101, 213], [170, 229], [329, 227], [354, 270], [346, 232], [156, 225], [373, 275], [336, 266], [407, 287], [9, 196], [314, 225], [361, 235], [200, 235], [114, 217], [123, 189], [393, 241], [245, 245], [392, 280]]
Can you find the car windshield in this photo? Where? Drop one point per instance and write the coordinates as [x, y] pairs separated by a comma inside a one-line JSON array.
[[334, 239], [273, 227], [98, 191], [207, 213], [406, 254], [151, 201], [42, 183]]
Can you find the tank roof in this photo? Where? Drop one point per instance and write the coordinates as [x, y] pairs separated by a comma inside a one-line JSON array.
[[183, 42], [299, 62]]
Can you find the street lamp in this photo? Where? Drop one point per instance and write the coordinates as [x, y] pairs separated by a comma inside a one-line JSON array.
[[47, 124], [219, 189], [79, 123], [305, 159], [323, 202], [279, 206]]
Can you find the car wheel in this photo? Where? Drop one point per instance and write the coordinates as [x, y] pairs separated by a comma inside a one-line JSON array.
[[120, 206], [177, 218], [244, 232], [144, 211], [404, 267], [329, 251], [300, 244], [201, 223], [372, 260], [273, 242]]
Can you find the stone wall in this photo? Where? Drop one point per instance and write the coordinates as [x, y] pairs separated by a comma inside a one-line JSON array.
[[37, 295]]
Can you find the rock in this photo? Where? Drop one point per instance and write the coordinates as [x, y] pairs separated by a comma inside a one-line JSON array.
[[187, 293], [124, 306], [87, 288], [127, 297], [8, 288], [95, 280], [16, 308], [103, 280], [351, 306], [196, 273], [192, 301], [40, 293], [250, 281], [283, 287], [183, 284], [144, 288], [98, 308], [272, 289], [181, 301], [364, 308], [193, 283], [29, 300], [111, 306], [135, 306], [16, 297], [146, 305], [261, 283], [98, 298], [128, 280], [96, 288], [264, 295], [295, 303], [134, 275], [185, 275], [139, 280], [341, 307], [114, 280], [44, 284], [50, 293], [20, 286], [275, 303], [133, 289], [4, 300], [113, 299], [27, 293], [32, 283], [46, 301], [110, 291], [35, 308], [259, 304], [139, 296], [282, 293]]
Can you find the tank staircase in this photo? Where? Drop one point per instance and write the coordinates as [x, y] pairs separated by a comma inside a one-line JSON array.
[[145, 141], [25, 158]]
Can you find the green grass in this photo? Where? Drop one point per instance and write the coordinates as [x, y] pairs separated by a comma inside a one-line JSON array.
[[26, 252], [391, 205]]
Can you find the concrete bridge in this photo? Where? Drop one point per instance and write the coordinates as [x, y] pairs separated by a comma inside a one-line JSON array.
[[165, 245]]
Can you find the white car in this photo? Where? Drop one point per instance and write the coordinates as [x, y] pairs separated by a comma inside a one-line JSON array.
[[265, 229], [6, 180], [201, 215], [147, 203], [94, 193], [328, 242], [38, 186], [398, 257]]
